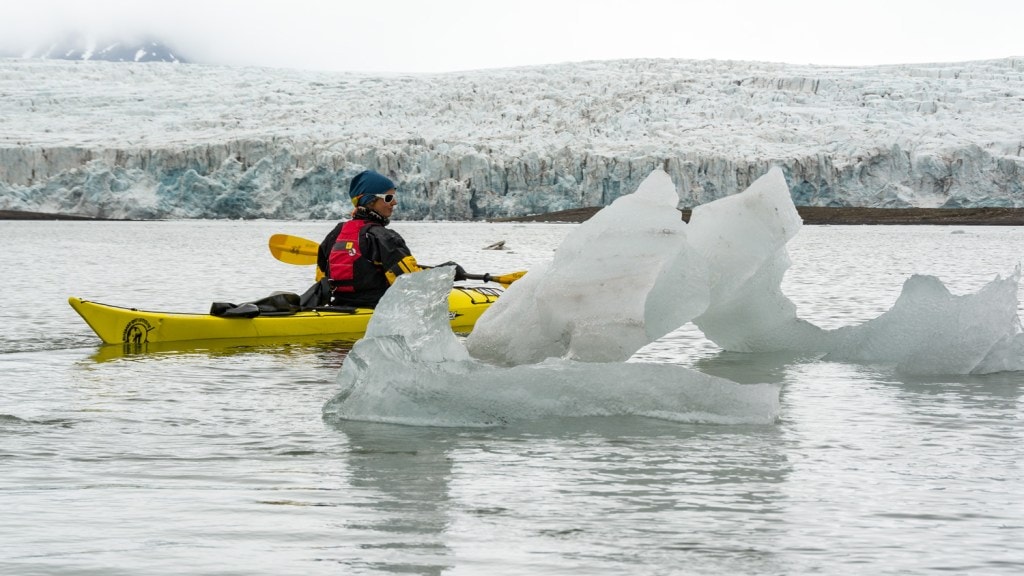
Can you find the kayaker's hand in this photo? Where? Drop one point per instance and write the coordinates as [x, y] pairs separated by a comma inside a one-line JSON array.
[[460, 273]]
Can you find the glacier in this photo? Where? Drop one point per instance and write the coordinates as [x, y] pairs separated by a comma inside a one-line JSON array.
[[165, 140]]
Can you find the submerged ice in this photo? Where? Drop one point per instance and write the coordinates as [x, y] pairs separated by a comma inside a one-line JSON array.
[[417, 372]]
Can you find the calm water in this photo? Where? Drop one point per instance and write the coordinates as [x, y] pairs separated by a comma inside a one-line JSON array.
[[218, 461]]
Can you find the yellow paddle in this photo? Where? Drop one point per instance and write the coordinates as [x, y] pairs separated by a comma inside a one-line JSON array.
[[504, 279], [295, 250]]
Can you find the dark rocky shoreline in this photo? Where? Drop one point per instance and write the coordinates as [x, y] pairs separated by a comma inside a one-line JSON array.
[[19, 215], [811, 216]]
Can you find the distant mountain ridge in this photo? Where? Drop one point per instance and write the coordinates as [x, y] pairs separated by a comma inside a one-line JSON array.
[[78, 46]]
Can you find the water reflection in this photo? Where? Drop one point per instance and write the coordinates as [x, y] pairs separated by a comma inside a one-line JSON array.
[[889, 457], [222, 347], [983, 406], [751, 368], [534, 492], [403, 476]]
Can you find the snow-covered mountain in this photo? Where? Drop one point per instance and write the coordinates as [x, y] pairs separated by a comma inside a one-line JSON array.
[[81, 46], [169, 141]]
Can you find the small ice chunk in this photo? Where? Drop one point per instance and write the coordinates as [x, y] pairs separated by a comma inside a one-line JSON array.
[[931, 331]]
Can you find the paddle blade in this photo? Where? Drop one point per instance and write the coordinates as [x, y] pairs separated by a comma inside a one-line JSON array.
[[293, 250], [506, 279], [503, 279]]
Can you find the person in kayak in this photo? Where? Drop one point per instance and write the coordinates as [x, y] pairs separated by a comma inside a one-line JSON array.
[[362, 257]]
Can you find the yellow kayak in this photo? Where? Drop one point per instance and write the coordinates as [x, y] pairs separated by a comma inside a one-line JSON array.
[[134, 327]]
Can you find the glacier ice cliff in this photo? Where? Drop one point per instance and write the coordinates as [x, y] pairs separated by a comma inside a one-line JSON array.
[[161, 140]]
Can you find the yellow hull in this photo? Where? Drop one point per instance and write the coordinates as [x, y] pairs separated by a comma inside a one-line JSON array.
[[130, 326]]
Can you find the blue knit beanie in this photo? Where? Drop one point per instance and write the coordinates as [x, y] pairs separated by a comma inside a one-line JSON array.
[[366, 184]]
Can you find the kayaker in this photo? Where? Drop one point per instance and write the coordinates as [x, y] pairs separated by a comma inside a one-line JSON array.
[[361, 256]]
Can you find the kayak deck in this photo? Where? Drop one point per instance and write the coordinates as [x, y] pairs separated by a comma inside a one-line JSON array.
[[131, 326]]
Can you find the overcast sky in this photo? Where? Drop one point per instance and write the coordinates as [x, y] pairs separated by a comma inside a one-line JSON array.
[[450, 35]]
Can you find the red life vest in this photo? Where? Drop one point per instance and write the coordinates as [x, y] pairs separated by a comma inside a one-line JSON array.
[[348, 270]]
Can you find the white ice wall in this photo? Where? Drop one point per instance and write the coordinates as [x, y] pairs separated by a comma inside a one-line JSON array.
[[185, 141]]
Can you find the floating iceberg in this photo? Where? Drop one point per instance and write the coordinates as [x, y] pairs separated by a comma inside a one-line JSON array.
[[556, 343], [931, 331], [635, 272], [411, 369], [595, 302]]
